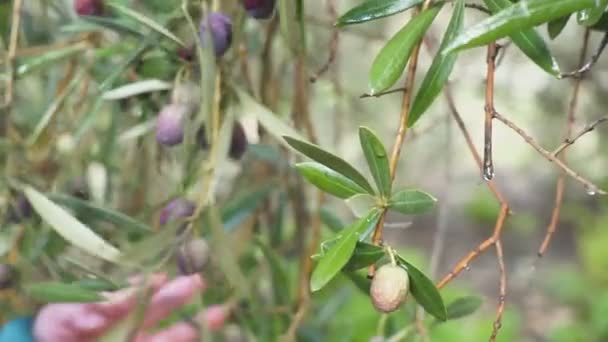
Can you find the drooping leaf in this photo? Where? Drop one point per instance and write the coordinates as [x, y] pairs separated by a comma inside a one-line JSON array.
[[591, 16], [340, 251], [391, 60], [70, 228], [377, 160], [375, 9], [243, 206], [361, 204], [330, 219], [90, 209], [146, 22], [555, 27], [271, 122], [463, 306], [335, 163], [424, 291], [519, 16], [329, 180], [410, 202], [364, 255], [136, 88], [54, 292], [440, 69], [528, 41]]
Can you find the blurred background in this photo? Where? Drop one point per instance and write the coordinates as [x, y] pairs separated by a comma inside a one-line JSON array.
[[105, 150]]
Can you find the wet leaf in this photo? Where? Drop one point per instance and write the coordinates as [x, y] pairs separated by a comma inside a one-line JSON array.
[[377, 160], [70, 228], [375, 9], [340, 251], [555, 27], [517, 17], [55, 292], [440, 69], [329, 180], [391, 60], [410, 202], [528, 41], [463, 306], [424, 291], [591, 16], [333, 162]]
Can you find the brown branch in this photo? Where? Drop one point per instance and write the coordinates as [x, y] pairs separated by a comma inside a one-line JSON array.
[[589, 186], [488, 165], [477, 251], [561, 179], [333, 45], [596, 56], [502, 294], [570, 141]]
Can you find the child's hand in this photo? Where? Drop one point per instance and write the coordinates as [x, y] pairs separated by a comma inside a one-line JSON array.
[[87, 322]]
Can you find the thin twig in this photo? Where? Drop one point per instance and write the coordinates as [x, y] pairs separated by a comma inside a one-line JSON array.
[[333, 45], [488, 165], [596, 56], [391, 91], [502, 294], [570, 141], [477, 251], [589, 186], [561, 179]]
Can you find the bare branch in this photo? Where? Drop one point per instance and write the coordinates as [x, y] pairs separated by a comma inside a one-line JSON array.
[[502, 294]]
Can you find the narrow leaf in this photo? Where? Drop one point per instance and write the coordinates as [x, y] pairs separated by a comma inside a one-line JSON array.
[[70, 228], [333, 261], [463, 306], [340, 251], [146, 22], [528, 41], [364, 255], [271, 122], [375, 9], [440, 69], [377, 160], [331, 220], [424, 291], [242, 206], [411, 202], [335, 163], [522, 15], [361, 204], [329, 180], [391, 60], [591, 16], [54, 292], [90, 209], [555, 27], [136, 88]]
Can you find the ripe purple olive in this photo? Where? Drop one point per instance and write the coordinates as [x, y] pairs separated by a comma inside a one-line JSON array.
[[238, 143], [259, 9], [221, 32], [177, 209], [20, 210], [7, 276], [89, 7], [170, 124], [389, 288], [192, 256]]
